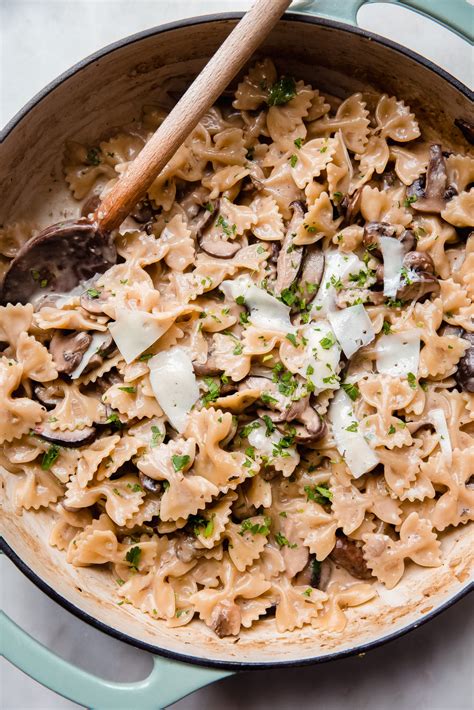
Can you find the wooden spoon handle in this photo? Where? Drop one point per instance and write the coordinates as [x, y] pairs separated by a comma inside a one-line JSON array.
[[201, 95]]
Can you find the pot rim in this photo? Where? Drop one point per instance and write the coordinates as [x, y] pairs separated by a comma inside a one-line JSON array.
[[214, 17], [5, 547], [214, 663]]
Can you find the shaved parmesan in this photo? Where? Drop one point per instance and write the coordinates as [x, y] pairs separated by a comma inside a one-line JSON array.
[[174, 385], [353, 328], [135, 331], [350, 443], [322, 355], [438, 418], [399, 353], [266, 311], [337, 267], [98, 339], [393, 253]]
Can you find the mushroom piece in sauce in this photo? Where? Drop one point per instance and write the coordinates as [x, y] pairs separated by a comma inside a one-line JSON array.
[[67, 350], [347, 553], [465, 371], [216, 244], [418, 278], [290, 256], [312, 271], [431, 197], [225, 619], [70, 439]]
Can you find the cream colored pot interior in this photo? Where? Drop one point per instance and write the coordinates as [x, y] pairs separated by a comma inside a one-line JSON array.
[[109, 92]]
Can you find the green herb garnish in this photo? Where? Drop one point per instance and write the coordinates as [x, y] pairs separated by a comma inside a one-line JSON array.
[[179, 462], [50, 456], [282, 91], [133, 557]]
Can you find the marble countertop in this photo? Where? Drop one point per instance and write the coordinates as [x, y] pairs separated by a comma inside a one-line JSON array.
[[430, 669]]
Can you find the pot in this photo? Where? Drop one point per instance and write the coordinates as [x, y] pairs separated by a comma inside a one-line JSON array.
[[110, 87]]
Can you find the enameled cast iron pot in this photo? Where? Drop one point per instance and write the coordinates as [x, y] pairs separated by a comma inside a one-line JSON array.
[[107, 90]]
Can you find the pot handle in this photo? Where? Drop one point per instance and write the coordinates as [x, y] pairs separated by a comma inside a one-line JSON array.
[[456, 15], [168, 681]]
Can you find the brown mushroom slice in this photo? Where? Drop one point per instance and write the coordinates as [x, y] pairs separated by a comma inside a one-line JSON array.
[[465, 371], [290, 256], [226, 619], [312, 426], [70, 439], [220, 248], [149, 484], [49, 396], [203, 216], [56, 260], [467, 129], [67, 350], [372, 233], [431, 198], [350, 206], [315, 574], [347, 553], [418, 277], [311, 272]]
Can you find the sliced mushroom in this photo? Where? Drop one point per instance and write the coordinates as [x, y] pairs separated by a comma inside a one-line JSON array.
[[48, 396], [67, 350], [290, 256], [226, 619], [418, 278], [149, 484], [92, 301], [350, 206], [465, 371], [315, 574], [347, 553], [408, 240], [372, 233], [311, 272], [70, 439], [215, 245], [467, 129], [431, 198], [143, 212], [312, 426]]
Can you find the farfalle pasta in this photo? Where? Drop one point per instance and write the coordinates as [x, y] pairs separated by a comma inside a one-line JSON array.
[[265, 408]]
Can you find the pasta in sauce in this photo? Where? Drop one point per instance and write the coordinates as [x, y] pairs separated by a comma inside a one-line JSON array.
[[266, 405]]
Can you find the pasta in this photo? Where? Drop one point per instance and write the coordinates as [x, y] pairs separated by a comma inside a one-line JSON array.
[[266, 405]]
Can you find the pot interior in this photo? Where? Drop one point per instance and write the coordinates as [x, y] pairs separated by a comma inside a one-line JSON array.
[[109, 91]]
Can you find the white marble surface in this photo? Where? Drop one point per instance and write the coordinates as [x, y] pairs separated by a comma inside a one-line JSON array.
[[428, 670]]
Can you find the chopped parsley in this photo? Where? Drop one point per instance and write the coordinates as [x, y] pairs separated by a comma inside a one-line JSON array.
[[409, 200], [245, 431], [292, 338], [179, 462], [391, 430], [351, 390], [288, 297], [240, 300], [255, 528], [213, 390], [155, 436], [386, 327], [293, 160], [267, 398], [298, 142], [128, 390], [202, 526], [327, 342], [282, 541], [353, 426], [318, 494], [412, 380], [228, 231], [114, 420], [238, 349], [209, 207], [269, 425], [145, 357], [282, 91], [93, 156], [133, 557], [308, 592], [50, 456]]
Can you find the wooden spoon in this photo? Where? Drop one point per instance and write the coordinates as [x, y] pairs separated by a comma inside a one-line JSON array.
[[63, 255]]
